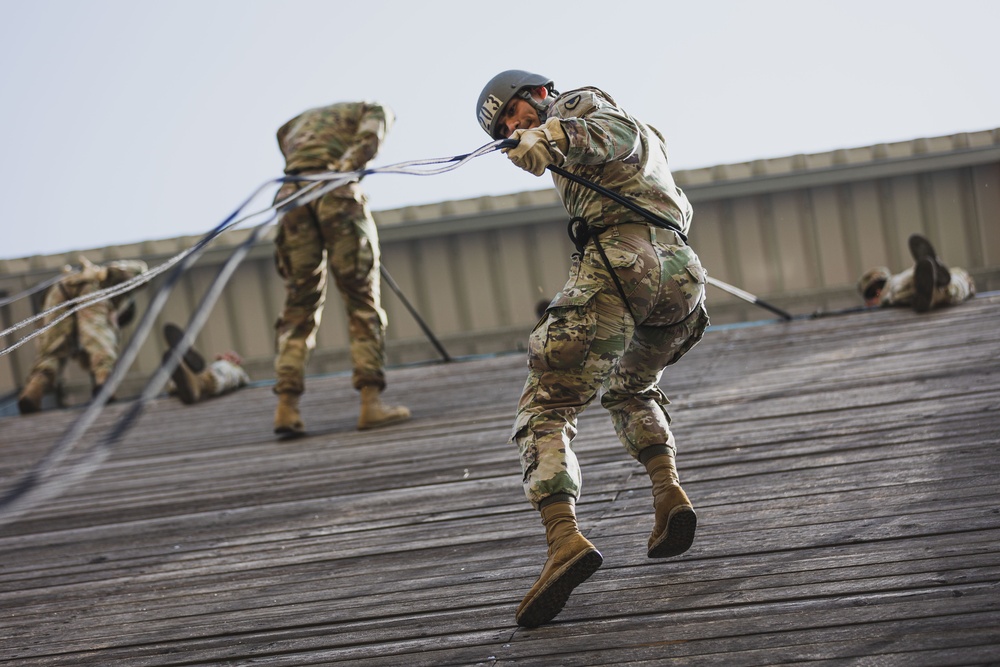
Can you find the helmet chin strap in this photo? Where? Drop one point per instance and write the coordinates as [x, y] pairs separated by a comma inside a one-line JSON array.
[[541, 106]]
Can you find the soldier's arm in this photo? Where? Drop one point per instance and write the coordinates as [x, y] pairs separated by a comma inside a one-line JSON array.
[[598, 131], [372, 128]]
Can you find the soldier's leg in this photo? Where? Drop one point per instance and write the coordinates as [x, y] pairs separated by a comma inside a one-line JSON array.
[[55, 346], [300, 261], [570, 353], [921, 250], [40, 381], [185, 376], [639, 413], [98, 336], [354, 256], [960, 288]]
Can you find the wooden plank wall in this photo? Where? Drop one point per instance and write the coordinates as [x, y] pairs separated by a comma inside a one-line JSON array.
[[844, 470]]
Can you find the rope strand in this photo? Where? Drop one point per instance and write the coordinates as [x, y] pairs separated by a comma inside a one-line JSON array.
[[46, 479]]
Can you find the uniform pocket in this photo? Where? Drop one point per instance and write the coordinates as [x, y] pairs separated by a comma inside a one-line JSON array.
[[697, 273], [691, 331], [562, 341], [620, 258]]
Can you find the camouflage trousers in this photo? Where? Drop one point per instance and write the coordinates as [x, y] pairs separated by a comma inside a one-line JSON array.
[[337, 234], [222, 377], [588, 340], [900, 289], [90, 335]]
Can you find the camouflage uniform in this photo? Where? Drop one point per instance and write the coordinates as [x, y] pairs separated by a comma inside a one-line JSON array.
[[899, 289], [336, 230], [587, 338], [221, 377], [224, 376], [91, 335]]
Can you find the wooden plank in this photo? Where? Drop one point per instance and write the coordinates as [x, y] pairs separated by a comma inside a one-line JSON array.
[[845, 489]]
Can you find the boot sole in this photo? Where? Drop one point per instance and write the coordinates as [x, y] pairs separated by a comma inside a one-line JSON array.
[[921, 248], [678, 536], [185, 391], [173, 334], [387, 422], [923, 285], [549, 601], [289, 432]]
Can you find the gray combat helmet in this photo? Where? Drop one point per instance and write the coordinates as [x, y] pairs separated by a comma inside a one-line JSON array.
[[498, 92]]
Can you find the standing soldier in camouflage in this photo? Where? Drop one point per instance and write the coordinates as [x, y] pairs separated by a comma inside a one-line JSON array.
[[336, 230], [925, 285], [91, 335], [617, 330]]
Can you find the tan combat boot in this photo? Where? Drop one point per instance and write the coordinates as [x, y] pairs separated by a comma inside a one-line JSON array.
[[374, 413], [33, 392], [287, 421], [186, 382], [571, 560], [921, 249], [924, 280], [675, 523], [187, 376]]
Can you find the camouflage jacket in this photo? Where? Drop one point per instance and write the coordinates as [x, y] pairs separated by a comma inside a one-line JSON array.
[[76, 283], [609, 147], [339, 137]]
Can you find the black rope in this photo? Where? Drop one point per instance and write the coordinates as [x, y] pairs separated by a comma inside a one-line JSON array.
[[580, 232]]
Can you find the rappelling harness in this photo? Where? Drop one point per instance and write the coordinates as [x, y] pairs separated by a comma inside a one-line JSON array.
[[581, 232]]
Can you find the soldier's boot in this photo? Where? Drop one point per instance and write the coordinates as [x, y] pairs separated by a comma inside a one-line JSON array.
[[675, 521], [173, 334], [374, 413], [187, 375], [287, 420], [186, 381], [922, 249], [31, 396], [924, 280], [571, 560]]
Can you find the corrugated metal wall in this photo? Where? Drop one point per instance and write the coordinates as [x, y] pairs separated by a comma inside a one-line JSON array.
[[796, 231]]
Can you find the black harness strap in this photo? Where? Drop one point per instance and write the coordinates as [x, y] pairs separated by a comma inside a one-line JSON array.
[[579, 233], [650, 217]]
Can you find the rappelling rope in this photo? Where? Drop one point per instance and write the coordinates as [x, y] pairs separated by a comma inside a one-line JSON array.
[[31, 290], [46, 480], [319, 185]]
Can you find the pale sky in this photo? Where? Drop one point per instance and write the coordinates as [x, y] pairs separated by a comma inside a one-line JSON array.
[[128, 120]]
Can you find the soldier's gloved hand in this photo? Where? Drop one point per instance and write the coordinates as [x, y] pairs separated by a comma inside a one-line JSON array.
[[539, 147], [91, 272]]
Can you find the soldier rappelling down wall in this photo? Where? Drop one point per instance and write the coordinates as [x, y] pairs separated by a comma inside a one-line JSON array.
[[336, 231], [928, 284], [633, 305], [91, 335], [193, 380]]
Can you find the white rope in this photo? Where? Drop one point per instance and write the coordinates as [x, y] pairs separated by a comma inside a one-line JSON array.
[[329, 180]]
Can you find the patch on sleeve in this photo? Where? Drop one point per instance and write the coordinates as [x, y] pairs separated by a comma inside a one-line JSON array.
[[576, 103]]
